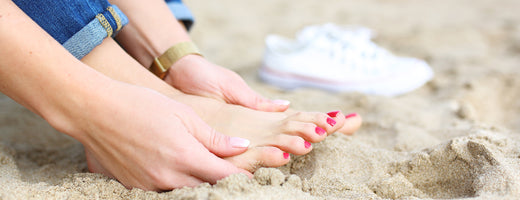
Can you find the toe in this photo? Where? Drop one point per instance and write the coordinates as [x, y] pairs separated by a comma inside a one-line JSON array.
[[308, 131], [257, 157], [338, 120], [292, 144], [352, 123], [323, 120]]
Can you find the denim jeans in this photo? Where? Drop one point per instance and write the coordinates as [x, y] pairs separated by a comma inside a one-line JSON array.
[[81, 25]]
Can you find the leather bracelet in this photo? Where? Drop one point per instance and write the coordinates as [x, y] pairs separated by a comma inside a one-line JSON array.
[[162, 63]]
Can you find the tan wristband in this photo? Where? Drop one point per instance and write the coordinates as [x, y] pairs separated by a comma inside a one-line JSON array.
[[162, 63]]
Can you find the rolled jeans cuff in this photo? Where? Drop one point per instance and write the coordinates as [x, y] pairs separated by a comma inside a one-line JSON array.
[[182, 13], [106, 24]]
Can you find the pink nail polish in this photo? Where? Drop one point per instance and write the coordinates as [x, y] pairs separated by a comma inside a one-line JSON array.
[[350, 115], [333, 113], [331, 122], [286, 155], [307, 144], [319, 130]]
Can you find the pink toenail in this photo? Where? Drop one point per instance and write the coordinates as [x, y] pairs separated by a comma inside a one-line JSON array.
[[331, 122], [350, 115], [307, 144], [286, 155], [319, 130], [333, 113]]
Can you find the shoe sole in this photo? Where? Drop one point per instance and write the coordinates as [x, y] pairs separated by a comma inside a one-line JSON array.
[[386, 87]]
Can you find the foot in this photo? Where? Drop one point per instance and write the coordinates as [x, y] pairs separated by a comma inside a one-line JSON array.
[[270, 156], [273, 135], [194, 75]]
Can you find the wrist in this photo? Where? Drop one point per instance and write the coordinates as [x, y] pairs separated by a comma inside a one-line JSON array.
[[145, 45], [70, 109], [179, 68], [164, 62]]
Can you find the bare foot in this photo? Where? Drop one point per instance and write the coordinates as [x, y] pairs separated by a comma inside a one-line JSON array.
[[272, 134], [269, 156], [289, 132]]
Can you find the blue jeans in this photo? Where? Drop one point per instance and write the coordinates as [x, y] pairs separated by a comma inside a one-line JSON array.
[[81, 25]]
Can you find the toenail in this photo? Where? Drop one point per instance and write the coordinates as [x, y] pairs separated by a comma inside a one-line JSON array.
[[319, 130], [333, 113], [350, 115], [307, 145], [286, 155], [331, 121]]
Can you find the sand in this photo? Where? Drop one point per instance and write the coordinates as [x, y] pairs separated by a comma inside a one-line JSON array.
[[456, 137]]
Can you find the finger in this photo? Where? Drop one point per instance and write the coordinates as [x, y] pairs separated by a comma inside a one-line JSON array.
[[257, 157], [211, 168], [277, 105], [220, 144], [217, 143], [242, 94]]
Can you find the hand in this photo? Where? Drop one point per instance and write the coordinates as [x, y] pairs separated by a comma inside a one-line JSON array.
[[146, 140], [195, 75]]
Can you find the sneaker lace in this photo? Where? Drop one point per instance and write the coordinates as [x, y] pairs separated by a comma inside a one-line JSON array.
[[352, 48]]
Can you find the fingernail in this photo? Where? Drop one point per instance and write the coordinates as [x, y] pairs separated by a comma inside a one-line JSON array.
[[319, 130], [281, 102], [331, 122], [350, 115], [286, 155], [333, 113], [307, 144], [239, 142]]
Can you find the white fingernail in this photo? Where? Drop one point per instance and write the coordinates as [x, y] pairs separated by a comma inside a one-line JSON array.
[[281, 102], [239, 142]]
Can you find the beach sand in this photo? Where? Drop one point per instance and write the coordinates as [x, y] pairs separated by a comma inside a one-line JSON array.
[[455, 137]]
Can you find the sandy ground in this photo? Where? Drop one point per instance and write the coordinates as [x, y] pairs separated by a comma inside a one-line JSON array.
[[456, 137]]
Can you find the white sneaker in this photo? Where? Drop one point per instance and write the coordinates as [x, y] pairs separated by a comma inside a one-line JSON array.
[[341, 60]]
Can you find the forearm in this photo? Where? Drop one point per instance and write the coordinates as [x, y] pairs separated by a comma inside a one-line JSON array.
[[151, 30], [37, 72]]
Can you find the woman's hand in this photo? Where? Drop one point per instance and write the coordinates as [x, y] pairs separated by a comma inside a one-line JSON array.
[[149, 34], [195, 75], [146, 140], [134, 134]]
